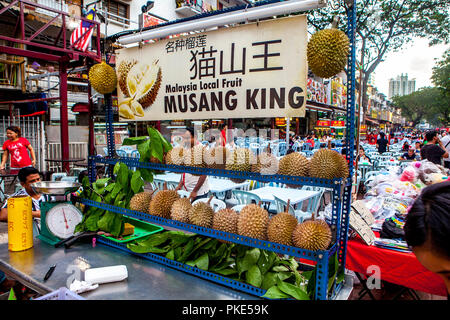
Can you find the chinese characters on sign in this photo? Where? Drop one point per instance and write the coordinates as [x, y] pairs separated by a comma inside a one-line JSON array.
[[253, 70]]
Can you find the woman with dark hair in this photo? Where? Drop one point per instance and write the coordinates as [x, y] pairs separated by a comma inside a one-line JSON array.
[[427, 229], [18, 148]]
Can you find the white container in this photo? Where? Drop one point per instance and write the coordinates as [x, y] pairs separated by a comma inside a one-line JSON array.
[[106, 274]]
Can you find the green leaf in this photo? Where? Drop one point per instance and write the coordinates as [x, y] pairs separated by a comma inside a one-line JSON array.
[[100, 183], [294, 291], [116, 168], [250, 258], [269, 280], [106, 221], [133, 140], [110, 187], [166, 145], [116, 225], [156, 147], [85, 183], [154, 240], [136, 182], [202, 262], [226, 272], [146, 174], [254, 276], [266, 260], [275, 293], [91, 222], [187, 250], [144, 150], [171, 255], [280, 268]]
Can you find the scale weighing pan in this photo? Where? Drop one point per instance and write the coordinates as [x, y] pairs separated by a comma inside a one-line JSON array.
[[55, 187]]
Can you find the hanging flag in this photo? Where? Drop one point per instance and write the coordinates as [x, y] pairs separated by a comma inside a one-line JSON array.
[[81, 37]]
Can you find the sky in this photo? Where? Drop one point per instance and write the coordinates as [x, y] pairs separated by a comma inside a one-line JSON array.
[[416, 59]]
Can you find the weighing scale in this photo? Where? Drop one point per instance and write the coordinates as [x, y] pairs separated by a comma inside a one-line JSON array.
[[58, 218]]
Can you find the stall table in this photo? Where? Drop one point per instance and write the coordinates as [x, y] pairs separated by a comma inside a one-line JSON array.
[[401, 268], [216, 185], [62, 161], [146, 280], [294, 195]]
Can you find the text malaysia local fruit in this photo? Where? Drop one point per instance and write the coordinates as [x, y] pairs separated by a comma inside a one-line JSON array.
[[281, 227], [328, 164], [102, 78], [327, 52], [201, 214], [141, 201], [162, 202], [312, 235], [253, 222]]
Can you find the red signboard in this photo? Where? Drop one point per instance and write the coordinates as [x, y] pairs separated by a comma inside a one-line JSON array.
[[150, 20], [323, 123], [280, 121], [338, 123]]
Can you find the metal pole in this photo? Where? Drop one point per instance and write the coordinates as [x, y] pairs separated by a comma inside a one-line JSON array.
[[288, 128], [64, 115], [91, 122]]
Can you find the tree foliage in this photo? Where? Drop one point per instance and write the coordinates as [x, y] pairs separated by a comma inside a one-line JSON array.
[[441, 74], [427, 103], [387, 25]]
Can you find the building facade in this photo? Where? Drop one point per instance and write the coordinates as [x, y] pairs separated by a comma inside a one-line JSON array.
[[401, 86]]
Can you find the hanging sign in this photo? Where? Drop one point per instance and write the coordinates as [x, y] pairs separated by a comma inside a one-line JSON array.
[[338, 123], [280, 121], [323, 123], [256, 70]]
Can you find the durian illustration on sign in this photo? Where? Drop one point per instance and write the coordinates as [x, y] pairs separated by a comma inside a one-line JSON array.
[[139, 82]]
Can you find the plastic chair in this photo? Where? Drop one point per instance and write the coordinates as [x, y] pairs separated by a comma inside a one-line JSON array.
[[105, 150], [216, 204], [254, 147], [158, 184], [238, 207], [244, 197], [298, 214], [135, 154], [364, 168], [121, 153], [306, 147], [58, 176], [282, 149], [171, 185], [183, 193], [205, 143], [127, 149]]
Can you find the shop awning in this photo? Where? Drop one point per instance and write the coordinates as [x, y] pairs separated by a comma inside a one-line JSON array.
[[372, 121]]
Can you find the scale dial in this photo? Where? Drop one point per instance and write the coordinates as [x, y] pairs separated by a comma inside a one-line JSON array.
[[62, 219]]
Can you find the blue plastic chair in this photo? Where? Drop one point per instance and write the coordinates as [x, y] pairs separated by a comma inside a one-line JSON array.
[[121, 153], [135, 154], [127, 149], [306, 147], [58, 176], [298, 214], [105, 150], [158, 184]]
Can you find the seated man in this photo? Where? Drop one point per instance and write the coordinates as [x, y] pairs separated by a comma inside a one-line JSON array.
[[27, 176], [410, 155]]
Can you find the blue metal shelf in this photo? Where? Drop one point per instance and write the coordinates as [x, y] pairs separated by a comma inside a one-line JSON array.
[[217, 278], [213, 233], [294, 180]]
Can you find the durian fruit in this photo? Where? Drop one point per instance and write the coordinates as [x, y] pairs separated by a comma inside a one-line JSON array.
[[240, 160], [281, 226], [180, 210], [312, 235], [162, 202], [327, 52], [143, 82], [129, 107], [266, 163], [102, 78], [175, 156], [253, 221], [328, 164], [193, 157], [294, 164], [201, 214], [226, 220], [141, 201], [216, 158], [122, 74]]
